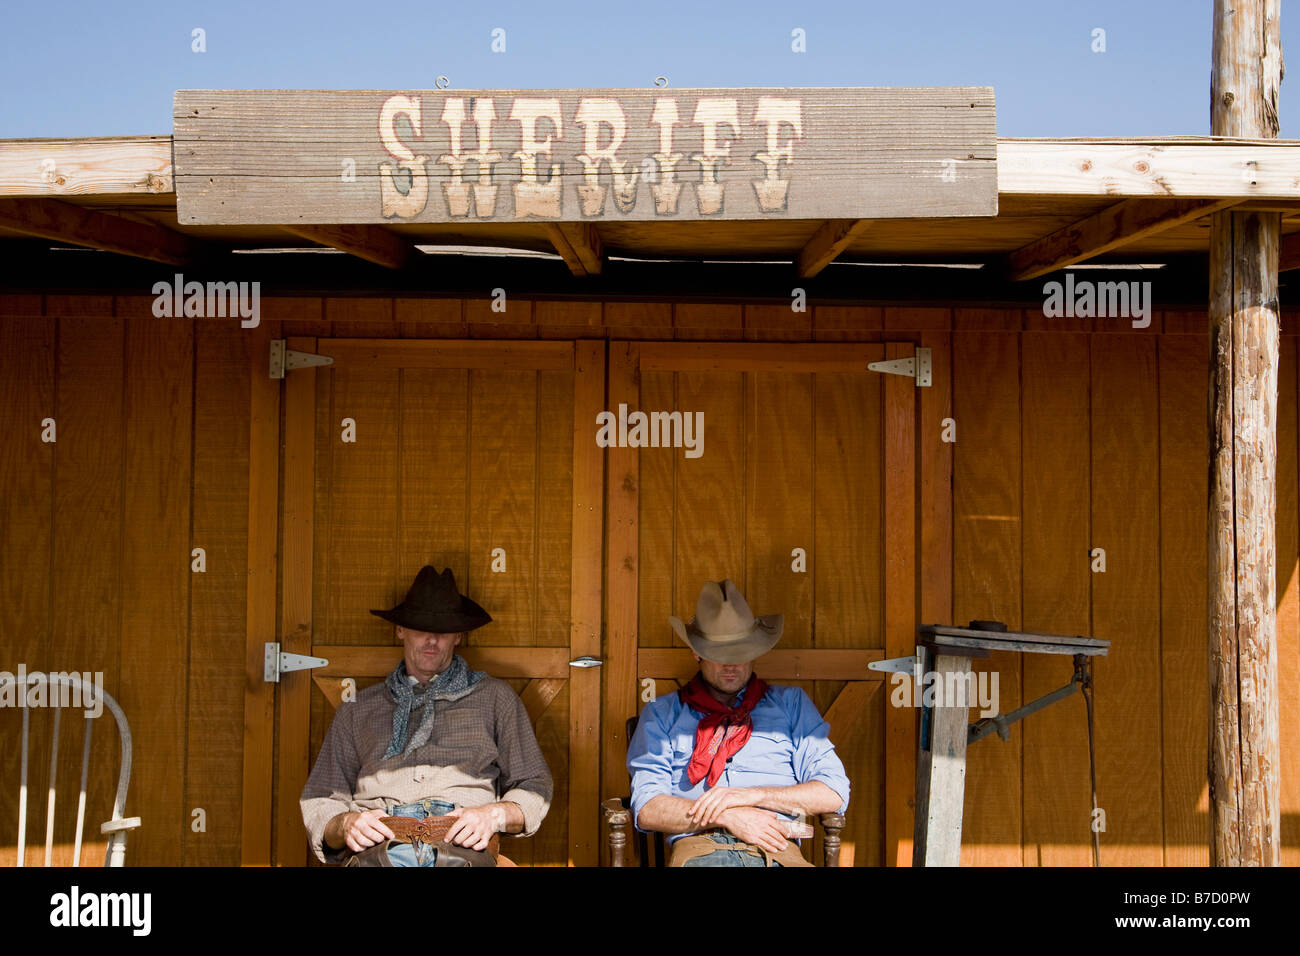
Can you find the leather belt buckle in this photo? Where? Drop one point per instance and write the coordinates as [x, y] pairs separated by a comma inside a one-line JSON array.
[[431, 830]]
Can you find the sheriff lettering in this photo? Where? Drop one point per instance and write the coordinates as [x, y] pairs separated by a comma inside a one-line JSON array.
[[483, 142]]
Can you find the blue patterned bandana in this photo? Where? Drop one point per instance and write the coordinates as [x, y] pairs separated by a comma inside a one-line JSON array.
[[452, 684]]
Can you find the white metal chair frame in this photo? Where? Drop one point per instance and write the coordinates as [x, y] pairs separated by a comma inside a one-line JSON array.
[[117, 827]]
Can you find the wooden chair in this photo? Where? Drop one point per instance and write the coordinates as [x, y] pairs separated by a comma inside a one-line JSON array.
[[116, 828], [617, 813]]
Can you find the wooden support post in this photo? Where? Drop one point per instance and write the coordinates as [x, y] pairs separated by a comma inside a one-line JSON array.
[[941, 768], [900, 442], [297, 539], [622, 564], [585, 601], [263, 528], [1244, 752]]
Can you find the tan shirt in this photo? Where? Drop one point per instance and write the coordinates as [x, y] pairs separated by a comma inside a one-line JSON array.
[[482, 749]]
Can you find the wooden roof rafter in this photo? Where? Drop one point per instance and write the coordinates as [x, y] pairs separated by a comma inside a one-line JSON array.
[[832, 238], [372, 243], [77, 225], [1102, 232], [579, 245]]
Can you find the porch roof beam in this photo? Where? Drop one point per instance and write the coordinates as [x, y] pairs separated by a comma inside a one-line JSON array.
[[104, 166], [1152, 167], [1163, 167]]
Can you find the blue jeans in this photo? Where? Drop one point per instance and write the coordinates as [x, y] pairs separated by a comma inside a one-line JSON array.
[[722, 857], [417, 854]]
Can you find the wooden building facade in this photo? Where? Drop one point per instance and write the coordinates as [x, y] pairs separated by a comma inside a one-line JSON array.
[[1066, 441], [189, 508]]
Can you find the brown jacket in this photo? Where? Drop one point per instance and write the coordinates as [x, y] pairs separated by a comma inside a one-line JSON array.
[[482, 750]]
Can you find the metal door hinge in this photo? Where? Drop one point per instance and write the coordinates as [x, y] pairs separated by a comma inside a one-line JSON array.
[[917, 367], [280, 662], [586, 661], [284, 359], [901, 665]]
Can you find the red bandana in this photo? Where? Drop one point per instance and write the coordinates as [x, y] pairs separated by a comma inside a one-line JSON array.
[[723, 731]]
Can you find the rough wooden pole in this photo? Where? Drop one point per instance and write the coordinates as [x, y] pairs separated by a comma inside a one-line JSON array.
[[1244, 753]]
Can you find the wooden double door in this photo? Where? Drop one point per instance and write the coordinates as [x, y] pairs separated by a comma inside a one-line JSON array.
[[484, 457]]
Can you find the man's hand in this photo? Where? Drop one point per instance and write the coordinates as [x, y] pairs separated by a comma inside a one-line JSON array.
[[358, 830], [707, 810], [474, 826], [759, 827]]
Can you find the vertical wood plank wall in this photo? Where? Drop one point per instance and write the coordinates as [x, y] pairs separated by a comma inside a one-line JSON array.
[[1070, 437]]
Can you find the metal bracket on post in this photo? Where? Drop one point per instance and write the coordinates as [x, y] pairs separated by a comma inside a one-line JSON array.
[[917, 367], [1002, 722], [279, 662], [284, 359]]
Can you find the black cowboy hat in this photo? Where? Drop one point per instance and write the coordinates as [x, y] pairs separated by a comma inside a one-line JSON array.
[[433, 604]]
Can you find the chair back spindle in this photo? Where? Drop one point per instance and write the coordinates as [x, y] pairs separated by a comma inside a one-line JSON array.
[[87, 729], [22, 792], [117, 827], [50, 793]]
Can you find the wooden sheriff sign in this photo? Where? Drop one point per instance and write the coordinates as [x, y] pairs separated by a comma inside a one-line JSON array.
[[268, 157]]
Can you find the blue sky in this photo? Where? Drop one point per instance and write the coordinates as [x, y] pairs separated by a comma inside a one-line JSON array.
[[103, 68]]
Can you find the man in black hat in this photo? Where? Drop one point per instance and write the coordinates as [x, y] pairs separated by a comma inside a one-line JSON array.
[[434, 740]]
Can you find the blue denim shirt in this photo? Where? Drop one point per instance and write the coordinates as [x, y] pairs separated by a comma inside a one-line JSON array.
[[790, 744]]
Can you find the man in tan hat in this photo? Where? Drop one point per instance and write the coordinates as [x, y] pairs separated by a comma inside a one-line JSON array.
[[729, 764], [426, 768]]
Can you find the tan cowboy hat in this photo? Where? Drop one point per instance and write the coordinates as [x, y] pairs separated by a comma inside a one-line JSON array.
[[724, 629]]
